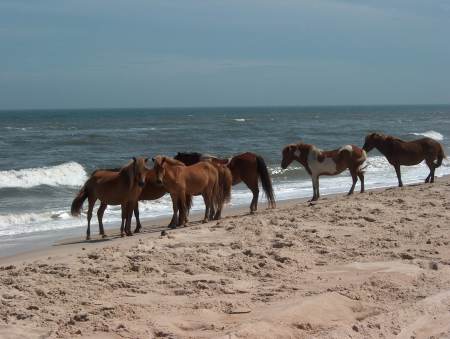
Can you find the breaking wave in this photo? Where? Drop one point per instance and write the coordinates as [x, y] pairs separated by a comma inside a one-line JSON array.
[[430, 134], [66, 174]]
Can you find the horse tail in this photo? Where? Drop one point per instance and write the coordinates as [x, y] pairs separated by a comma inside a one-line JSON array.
[[188, 203], [217, 194], [225, 181], [362, 162], [266, 181], [77, 203], [440, 156]]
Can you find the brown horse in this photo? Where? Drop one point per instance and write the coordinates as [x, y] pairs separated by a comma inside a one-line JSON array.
[[318, 162], [246, 167], [113, 188], [150, 191], [407, 153], [181, 180]]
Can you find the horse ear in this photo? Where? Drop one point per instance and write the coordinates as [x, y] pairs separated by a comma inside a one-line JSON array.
[[134, 159]]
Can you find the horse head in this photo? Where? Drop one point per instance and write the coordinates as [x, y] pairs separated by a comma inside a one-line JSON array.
[[158, 166], [290, 153], [140, 170], [373, 140]]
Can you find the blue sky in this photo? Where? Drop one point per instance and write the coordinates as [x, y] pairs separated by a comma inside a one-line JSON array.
[[92, 53]]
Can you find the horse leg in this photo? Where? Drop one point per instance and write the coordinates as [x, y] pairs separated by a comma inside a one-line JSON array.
[[208, 209], [89, 217], [355, 180], [218, 214], [399, 175], [431, 166], [432, 174], [252, 184], [100, 212], [182, 210], [315, 182], [173, 223], [129, 215], [138, 221], [122, 224], [361, 178]]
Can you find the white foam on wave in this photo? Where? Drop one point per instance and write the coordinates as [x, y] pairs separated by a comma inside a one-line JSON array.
[[66, 174], [430, 134], [240, 120]]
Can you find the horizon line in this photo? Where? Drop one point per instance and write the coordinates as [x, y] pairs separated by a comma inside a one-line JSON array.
[[213, 107]]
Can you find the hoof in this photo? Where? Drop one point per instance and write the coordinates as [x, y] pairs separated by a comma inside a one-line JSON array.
[[204, 221], [122, 234], [171, 226], [88, 237], [137, 230], [104, 236]]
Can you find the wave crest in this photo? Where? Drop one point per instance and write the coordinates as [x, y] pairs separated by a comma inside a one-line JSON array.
[[66, 174], [430, 134]]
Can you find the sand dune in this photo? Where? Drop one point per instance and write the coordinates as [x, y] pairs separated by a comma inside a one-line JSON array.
[[367, 266]]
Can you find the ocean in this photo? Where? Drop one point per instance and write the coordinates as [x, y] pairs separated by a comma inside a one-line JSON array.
[[46, 155]]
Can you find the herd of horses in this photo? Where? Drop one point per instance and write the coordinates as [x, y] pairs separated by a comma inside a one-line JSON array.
[[191, 174]]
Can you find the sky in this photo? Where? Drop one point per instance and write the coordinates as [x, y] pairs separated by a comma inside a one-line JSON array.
[[171, 53]]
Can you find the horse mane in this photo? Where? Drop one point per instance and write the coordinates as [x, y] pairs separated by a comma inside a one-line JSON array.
[[173, 161], [116, 169], [127, 171], [392, 138]]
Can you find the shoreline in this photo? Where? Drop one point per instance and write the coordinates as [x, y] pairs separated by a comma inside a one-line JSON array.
[[45, 240]]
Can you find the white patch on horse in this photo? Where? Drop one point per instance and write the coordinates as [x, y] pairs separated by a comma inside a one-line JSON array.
[[297, 153], [347, 148], [327, 166]]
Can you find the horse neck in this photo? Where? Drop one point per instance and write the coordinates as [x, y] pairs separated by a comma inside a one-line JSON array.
[[382, 145], [127, 175], [305, 150]]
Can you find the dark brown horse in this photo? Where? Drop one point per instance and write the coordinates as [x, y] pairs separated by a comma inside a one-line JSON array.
[[151, 191], [246, 167], [407, 153], [181, 180], [113, 188], [318, 162]]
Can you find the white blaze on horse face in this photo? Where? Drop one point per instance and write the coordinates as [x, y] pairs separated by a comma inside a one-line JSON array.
[[346, 148], [327, 166]]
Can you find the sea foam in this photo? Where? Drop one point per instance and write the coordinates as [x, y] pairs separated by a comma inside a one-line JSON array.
[[66, 174], [430, 134]]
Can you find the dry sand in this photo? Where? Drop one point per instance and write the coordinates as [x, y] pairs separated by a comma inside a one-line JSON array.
[[375, 265]]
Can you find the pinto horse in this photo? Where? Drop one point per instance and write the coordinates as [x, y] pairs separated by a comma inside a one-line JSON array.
[[181, 180], [150, 191], [246, 167], [113, 188], [318, 162], [407, 153]]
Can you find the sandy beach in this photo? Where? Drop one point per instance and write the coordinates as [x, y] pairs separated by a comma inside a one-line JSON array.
[[367, 266]]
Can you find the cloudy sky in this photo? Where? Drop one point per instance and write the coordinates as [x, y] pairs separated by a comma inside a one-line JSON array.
[[144, 53]]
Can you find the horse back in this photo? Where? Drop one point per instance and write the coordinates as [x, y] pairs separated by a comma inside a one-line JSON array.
[[410, 152]]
